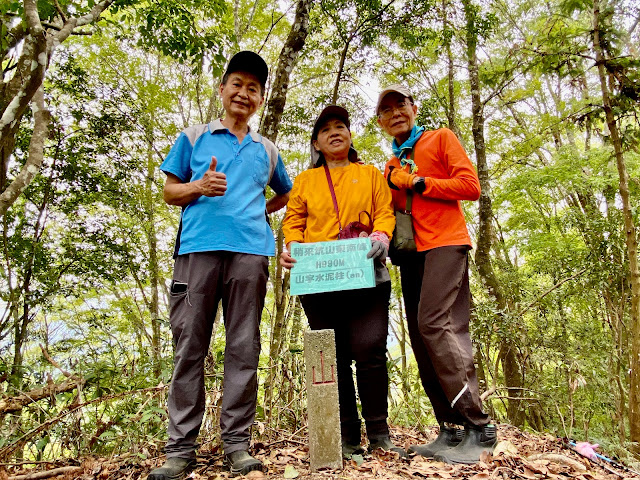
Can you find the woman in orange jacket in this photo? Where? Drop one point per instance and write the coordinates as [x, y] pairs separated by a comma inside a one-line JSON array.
[[360, 318], [433, 168]]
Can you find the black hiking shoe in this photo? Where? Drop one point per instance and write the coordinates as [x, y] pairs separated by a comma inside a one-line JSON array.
[[447, 438], [387, 445], [474, 443], [175, 468], [349, 450], [241, 463]]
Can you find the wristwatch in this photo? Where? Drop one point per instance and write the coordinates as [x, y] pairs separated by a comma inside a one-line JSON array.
[[420, 186]]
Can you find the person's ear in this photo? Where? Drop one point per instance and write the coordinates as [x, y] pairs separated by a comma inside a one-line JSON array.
[[315, 145]]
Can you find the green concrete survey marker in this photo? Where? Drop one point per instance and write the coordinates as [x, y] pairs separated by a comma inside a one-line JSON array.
[[331, 266]]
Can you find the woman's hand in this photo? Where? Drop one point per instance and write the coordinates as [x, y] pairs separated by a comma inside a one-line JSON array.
[[398, 179], [379, 246], [379, 251], [286, 260]]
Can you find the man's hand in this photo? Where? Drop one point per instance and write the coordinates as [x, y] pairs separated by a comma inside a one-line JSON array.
[[286, 260], [213, 184]]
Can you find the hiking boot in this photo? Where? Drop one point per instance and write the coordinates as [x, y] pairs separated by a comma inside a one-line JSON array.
[[447, 438], [349, 449], [241, 463], [175, 468], [474, 443], [387, 445]]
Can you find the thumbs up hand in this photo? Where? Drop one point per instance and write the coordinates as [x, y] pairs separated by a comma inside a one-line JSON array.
[[213, 183]]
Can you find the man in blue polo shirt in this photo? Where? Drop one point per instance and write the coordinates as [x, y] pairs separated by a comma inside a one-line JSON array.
[[218, 173]]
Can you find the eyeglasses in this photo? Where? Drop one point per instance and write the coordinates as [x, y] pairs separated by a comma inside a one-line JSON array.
[[386, 113]]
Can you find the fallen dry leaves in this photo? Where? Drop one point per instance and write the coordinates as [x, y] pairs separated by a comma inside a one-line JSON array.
[[518, 455]]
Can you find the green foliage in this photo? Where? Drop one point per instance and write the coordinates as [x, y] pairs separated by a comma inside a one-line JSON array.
[[10, 7], [184, 30], [480, 23], [78, 270]]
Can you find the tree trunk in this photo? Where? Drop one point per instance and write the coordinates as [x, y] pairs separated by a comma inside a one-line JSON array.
[[24, 87], [286, 63], [295, 344], [508, 353], [269, 128], [280, 288], [343, 58], [630, 231], [154, 274], [35, 157], [451, 110], [20, 334]]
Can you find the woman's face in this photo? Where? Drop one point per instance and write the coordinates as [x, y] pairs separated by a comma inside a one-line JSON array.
[[334, 140]]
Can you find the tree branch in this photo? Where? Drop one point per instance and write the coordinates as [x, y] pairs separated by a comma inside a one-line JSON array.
[[23, 85], [9, 449], [60, 11], [55, 364], [15, 404], [32, 17], [36, 153], [71, 23], [286, 63], [47, 473], [556, 286]]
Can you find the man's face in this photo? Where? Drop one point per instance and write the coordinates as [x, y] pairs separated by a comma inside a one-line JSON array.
[[241, 95], [397, 116]]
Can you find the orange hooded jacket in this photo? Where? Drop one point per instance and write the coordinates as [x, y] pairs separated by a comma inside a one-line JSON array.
[[438, 219]]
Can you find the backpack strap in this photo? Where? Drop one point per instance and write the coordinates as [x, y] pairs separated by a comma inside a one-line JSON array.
[[193, 133], [272, 152], [407, 208]]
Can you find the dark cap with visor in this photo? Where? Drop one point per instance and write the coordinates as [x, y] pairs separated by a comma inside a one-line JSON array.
[[250, 62], [327, 113]]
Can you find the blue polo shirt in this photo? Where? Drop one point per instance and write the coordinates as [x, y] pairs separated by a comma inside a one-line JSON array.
[[236, 221]]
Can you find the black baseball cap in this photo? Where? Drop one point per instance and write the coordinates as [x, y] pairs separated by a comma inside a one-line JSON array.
[[250, 62], [330, 111]]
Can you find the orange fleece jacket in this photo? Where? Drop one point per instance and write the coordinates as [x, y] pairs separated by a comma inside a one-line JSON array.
[[438, 219], [310, 214]]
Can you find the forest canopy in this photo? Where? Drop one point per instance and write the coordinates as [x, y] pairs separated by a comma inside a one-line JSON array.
[[544, 97]]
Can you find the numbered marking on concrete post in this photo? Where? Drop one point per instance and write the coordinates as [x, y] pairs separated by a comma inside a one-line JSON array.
[[323, 409]]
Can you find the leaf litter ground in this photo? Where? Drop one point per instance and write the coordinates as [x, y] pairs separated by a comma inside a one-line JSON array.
[[518, 455]]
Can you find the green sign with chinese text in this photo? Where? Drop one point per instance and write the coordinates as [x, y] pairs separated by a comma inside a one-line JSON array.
[[331, 266]]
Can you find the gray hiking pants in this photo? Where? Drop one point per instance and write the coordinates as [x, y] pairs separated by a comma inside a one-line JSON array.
[[435, 287], [239, 280]]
